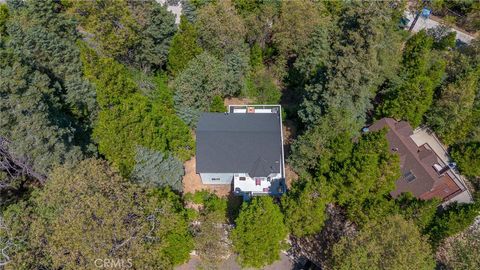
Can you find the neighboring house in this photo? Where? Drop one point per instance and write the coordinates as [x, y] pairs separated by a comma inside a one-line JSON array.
[[427, 171], [428, 23], [243, 147]]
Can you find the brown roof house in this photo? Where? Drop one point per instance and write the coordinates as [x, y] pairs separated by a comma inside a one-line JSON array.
[[427, 171]]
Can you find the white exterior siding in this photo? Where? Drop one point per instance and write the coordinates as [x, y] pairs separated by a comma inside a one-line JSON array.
[[217, 178]]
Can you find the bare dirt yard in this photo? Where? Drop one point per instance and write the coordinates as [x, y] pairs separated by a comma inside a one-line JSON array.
[[192, 181], [237, 101]]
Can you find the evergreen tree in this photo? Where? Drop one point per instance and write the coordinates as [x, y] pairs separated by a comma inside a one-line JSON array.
[[451, 112], [217, 105], [138, 122], [220, 29], [109, 23], [259, 232], [195, 88], [184, 47], [32, 118], [467, 155], [357, 64], [389, 244], [411, 96], [90, 212], [304, 206], [129, 119], [421, 212], [456, 218], [154, 169], [4, 14], [155, 36]]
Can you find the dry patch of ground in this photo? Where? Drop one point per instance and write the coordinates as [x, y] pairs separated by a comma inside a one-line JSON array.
[[193, 183], [237, 101]]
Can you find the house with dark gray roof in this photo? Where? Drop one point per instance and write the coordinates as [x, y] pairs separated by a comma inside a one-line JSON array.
[[243, 147]]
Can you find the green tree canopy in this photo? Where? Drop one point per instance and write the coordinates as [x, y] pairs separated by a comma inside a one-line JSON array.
[[411, 95], [296, 23], [211, 230], [259, 232], [304, 206], [421, 212], [462, 252], [184, 47], [156, 170], [393, 243], [357, 63], [197, 85], [138, 122], [452, 115], [456, 218], [157, 28], [89, 212], [467, 155], [129, 119], [220, 29], [110, 22]]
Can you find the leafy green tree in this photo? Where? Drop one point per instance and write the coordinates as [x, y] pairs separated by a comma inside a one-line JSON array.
[[262, 88], [217, 105], [304, 206], [89, 212], [451, 112], [4, 14], [33, 119], [157, 28], [412, 95], [138, 122], [361, 174], [184, 47], [211, 230], [456, 218], [258, 17], [393, 243], [195, 88], [154, 169], [259, 232], [357, 63], [366, 177], [467, 155], [110, 22], [220, 29], [462, 252], [129, 119], [112, 80], [296, 23], [443, 37], [421, 212]]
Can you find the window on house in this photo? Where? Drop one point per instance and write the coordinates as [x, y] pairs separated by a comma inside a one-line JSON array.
[[409, 176], [215, 179]]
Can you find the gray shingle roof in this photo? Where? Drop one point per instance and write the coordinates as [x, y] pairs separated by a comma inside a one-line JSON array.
[[239, 143]]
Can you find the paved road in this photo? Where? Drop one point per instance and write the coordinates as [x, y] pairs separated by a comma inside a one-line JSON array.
[[230, 264], [423, 23]]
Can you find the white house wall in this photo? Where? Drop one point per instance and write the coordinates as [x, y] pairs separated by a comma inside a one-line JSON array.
[[224, 178]]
